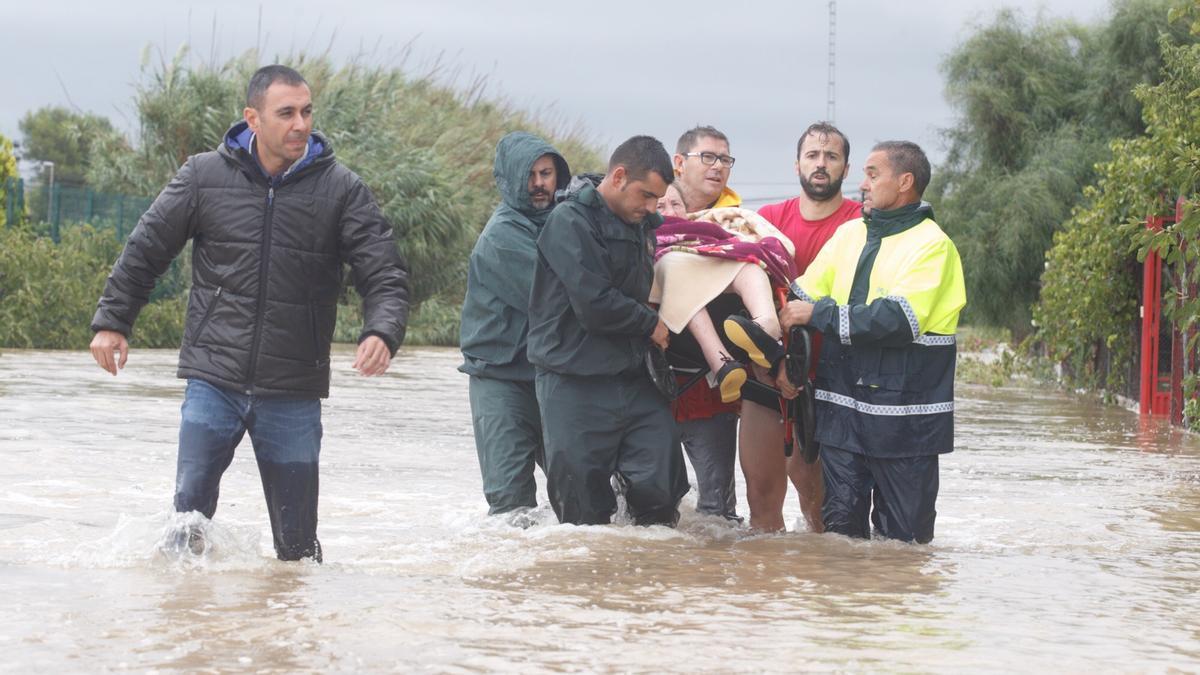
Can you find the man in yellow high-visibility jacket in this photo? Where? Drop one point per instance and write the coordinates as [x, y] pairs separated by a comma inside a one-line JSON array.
[[886, 291]]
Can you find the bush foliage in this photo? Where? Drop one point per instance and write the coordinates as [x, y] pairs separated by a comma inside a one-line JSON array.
[[48, 291], [424, 147], [1089, 301], [423, 144], [1040, 101]]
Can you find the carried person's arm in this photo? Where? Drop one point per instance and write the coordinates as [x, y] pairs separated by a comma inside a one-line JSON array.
[[380, 276], [160, 235], [576, 257]]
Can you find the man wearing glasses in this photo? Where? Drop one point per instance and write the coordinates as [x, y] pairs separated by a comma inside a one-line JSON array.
[[702, 166], [707, 426]]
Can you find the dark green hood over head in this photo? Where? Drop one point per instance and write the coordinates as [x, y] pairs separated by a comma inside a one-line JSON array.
[[515, 155], [495, 311]]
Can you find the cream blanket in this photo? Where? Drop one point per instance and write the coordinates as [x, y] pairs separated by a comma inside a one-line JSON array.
[[685, 282]]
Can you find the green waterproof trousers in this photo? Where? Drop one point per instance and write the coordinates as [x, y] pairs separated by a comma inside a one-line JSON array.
[[508, 439], [600, 425]]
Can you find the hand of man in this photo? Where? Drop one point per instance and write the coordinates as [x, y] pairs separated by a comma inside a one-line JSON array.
[[762, 374], [795, 313], [104, 344], [661, 335], [785, 386], [373, 356]]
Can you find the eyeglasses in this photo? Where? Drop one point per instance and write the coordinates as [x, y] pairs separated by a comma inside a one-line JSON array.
[[710, 158]]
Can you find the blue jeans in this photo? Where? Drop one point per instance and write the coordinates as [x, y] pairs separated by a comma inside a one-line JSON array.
[[286, 434]]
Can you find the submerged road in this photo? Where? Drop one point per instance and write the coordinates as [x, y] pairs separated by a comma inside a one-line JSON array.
[[1068, 539]]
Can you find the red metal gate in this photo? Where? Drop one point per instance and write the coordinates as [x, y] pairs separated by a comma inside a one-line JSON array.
[[1160, 393], [1152, 399]]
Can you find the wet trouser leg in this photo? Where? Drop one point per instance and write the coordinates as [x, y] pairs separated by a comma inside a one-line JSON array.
[[711, 445], [596, 426], [581, 431], [287, 444], [905, 496], [846, 508], [650, 456], [287, 441], [211, 426], [508, 440], [903, 491]]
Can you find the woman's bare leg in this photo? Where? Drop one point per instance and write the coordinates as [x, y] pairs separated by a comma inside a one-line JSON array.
[[705, 333], [754, 288]]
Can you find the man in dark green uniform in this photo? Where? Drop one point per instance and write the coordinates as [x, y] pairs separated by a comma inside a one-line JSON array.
[[589, 329], [504, 410]]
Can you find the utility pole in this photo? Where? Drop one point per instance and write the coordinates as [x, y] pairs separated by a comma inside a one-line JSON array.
[[831, 88]]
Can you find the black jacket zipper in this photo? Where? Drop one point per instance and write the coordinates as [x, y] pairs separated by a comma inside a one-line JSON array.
[[207, 315], [263, 267]]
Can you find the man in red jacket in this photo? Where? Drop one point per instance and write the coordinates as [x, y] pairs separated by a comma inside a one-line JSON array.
[[809, 220]]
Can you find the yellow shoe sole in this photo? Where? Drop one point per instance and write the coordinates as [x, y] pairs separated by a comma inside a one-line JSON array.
[[742, 339], [731, 386]]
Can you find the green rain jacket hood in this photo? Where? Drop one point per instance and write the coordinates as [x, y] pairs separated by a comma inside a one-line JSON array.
[[515, 155], [495, 318]]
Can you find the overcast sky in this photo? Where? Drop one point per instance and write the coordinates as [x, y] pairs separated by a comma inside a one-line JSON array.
[[754, 69]]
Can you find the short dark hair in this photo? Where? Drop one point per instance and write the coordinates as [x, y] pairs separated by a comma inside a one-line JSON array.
[[640, 155], [266, 76], [823, 129], [907, 157], [692, 136]]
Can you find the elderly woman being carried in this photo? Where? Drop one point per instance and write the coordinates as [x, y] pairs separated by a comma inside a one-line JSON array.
[[701, 255]]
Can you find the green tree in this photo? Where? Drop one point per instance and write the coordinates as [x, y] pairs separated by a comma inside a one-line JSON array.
[[1088, 305], [1130, 54], [1039, 102], [64, 137], [181, 111], [8, 172]]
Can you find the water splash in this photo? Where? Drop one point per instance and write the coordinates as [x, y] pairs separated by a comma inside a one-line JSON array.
[[175, 541]]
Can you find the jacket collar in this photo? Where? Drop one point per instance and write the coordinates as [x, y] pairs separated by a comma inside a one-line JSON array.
[[240, 141], [882, 223]]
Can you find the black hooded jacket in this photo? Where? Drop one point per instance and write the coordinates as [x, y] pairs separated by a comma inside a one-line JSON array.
[[267, 264]]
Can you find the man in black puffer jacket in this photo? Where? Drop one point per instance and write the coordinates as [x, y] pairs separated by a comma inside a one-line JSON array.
[[273, 218]]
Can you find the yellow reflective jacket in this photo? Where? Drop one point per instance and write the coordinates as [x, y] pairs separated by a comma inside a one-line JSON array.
[[728, 198], [887, 291]]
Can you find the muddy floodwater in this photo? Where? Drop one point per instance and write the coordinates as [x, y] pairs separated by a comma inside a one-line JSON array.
[[1068, 539]]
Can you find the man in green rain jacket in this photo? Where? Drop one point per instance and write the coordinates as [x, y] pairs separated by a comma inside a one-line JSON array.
[[504, 411], [589, 331], [886, 291]]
